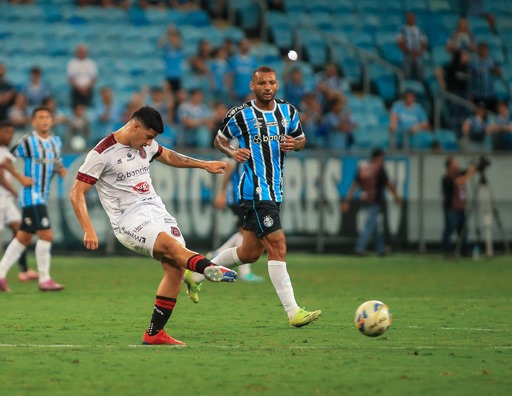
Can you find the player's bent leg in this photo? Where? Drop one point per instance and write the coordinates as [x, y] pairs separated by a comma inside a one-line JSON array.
[[169, 248]]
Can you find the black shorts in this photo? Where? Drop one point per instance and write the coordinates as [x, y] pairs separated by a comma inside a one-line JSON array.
[[261, 217], [238, 212], [34, 218]]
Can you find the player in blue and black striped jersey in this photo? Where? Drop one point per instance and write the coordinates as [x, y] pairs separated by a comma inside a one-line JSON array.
[[41, 152], [267, 129]]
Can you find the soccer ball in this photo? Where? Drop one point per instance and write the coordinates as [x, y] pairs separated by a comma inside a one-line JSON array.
[[373, 318]]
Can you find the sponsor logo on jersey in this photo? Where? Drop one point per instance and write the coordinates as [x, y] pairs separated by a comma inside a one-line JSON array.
[[268, 221], [119, 161], [142, 187], [120, 177], [134, 236], [257, 139], [138, 172]]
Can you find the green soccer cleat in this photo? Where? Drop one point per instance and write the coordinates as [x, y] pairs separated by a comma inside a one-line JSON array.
[[192, 287], [303, 317]]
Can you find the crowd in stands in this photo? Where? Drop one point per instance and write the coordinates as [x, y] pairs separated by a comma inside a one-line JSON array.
[[326, 101]]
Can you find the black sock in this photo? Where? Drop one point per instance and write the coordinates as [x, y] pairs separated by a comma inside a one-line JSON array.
[[198, 263], [22, 261], [161, 313]]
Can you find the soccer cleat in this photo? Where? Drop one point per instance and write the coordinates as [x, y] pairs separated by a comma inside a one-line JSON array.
[[218, 273], [250, 277], [303, 317], [160, 338], [50, 285], [3, 286], [28, 276], [192, 287]]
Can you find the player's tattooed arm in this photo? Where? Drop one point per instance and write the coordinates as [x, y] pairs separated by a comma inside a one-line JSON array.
[[177, 160]]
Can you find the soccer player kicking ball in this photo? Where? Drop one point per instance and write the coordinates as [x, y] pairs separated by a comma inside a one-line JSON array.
[[119, 167], [266, 129]]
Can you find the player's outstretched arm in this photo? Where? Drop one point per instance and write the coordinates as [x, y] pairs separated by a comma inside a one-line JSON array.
[[177, 160], [77, 196]]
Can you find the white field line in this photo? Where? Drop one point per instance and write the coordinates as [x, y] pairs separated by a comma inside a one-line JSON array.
[[337, 347]]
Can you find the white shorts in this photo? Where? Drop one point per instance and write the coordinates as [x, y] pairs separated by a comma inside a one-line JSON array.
[[9, 213], [141, 225]]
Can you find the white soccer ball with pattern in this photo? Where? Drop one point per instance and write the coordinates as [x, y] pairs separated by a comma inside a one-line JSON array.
[[373, 318]]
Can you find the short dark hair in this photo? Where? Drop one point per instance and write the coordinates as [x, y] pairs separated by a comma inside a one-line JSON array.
[[263, 69], [41, 108], [6, 124], [150, 118], [377, 152]]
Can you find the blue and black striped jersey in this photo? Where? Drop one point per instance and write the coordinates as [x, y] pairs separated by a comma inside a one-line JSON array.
[[42, 157], [260, 131]]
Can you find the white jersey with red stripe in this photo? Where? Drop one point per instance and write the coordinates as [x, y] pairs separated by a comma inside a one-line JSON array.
[[121, 175]]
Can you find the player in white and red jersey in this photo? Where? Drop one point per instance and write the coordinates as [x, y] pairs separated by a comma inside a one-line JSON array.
[[119, 168]]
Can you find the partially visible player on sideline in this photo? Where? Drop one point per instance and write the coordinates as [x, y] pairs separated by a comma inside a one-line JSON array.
[[266, 129], [9, 213], [41, 151], [119, 167]]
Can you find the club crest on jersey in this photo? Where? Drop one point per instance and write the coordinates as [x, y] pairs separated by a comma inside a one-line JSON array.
[[142, 187], [45, 222], [268, 221], [142, 153], [284, 123], [175, 231]]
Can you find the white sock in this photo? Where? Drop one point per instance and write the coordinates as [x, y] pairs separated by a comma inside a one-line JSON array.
[[43, 256], [244, 270], [283, 285], [12, 254], [227, 258]]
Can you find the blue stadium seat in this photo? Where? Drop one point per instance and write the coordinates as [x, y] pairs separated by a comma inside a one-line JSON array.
[[266, 53], [447, 138], [501, 89], [281, 36], [371, 137], [323, 21], [386, 88], [421, 140], [352, 69], [392, 53], [440, 56]]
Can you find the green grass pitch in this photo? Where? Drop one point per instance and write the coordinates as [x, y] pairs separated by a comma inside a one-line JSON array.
[[451, 332]]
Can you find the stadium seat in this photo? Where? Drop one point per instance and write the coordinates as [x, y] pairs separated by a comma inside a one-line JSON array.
[[421, 140], [440, 56], [386, 88], [266, 53], [447, 138], [501, 89]]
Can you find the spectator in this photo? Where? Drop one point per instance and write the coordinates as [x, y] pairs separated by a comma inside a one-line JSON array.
[[161, 99], [373, 180], [311, 118], [173, 57], [330, 84], [60, 120], [196, 120], [339, 125], [462, 39], [406, 117], [219, 67], [19, 114], [199, 62], [229, 46], [79, 130], [82, 74], [294, 87], [137, 100], [481, 77], [500, 129], [36, 90], [453, 186], [413, 43], [7, 93], [477, 8], [107, 114], [242, 66], [454, 78], [474, 129]]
